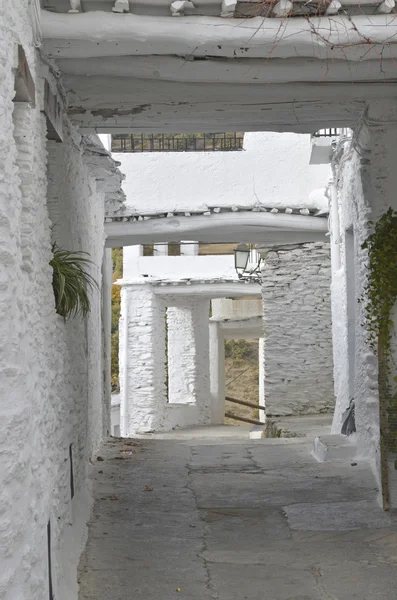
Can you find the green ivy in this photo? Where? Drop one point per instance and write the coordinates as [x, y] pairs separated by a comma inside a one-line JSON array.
[[379, 298]]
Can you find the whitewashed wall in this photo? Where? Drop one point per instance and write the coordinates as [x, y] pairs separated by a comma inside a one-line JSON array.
[[177, 267], [51, 371], [297, 325], [366, 180], [144, 404], [272, 170], [238, 308]]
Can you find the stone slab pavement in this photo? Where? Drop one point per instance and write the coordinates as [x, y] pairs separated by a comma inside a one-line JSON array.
[[223, 519]]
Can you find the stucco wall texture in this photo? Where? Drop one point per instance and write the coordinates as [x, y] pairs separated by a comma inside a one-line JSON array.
[[297, 325], [366, 181], [254, 175], [144, 401], [49, 382]]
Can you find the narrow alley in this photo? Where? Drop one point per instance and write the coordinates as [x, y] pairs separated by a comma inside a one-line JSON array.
[[233, 519]]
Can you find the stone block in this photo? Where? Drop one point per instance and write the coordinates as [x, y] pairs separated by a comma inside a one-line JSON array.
[[333, 447]]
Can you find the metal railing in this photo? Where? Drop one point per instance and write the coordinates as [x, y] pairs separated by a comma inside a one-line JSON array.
[[167, 142], [332, 132]]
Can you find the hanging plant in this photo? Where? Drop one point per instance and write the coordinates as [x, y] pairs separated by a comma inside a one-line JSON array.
[[379, 300], [71, 282]]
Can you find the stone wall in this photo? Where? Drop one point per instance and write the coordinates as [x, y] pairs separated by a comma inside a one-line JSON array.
[[181, 355], [142, 360], [144, 402], [297, 322], [52, 401], [366, 180]]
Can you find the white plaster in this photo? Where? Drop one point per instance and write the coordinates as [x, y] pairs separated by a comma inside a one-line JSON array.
[[262, 396], [246, 329], [258, 224], [178, 267], [51, 373], [242, 308], [144, 405], [197, 180], [297, 330], [311, 37], [366, 180], [217, 373], [181, 355]]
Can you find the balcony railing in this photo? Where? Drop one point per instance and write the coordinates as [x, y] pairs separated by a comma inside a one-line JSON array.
[[332, 132], [166, 142]]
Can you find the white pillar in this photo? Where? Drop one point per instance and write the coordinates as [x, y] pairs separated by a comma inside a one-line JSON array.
[[335, 227], [261, 358], [107, 268], [217, 372], [188, 355], [189, 248], [160, 249], [201, 311], [181, 355], [143, 400]]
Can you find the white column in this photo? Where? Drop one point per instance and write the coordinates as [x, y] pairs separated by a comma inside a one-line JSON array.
[[160, 249], [143, 400], [181, 355], [201, 309], [217, 372], [188, 355], [189, 248], [106, 336], [261, 358], [335, 227]]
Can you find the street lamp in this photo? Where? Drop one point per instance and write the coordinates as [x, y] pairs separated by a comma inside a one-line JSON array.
[[247, 261]]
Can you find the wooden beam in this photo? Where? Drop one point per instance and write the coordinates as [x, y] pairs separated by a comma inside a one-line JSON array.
[[244, 403], [346, 37], [235, 227], [24, 85], [244, 419]]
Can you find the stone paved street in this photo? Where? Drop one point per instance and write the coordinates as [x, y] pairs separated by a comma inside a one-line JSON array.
[[226, 519]]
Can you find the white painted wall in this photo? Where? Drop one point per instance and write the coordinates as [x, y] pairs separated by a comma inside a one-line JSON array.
[[144, 405], [177, 267], [51, 371], [181, 354], [237, 308], [297, 331], [272, 170], [366, 182]]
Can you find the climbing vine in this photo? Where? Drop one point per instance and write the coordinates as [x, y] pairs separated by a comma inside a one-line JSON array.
[[380, 299]]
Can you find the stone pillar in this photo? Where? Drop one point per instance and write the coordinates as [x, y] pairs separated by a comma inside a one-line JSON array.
[[188, 355], [261, 359], [189, 248], [298, 341], [160, 249], [182, 355], [107, 268], [201, 310], [142, 355], [217, 373], [366, 179]]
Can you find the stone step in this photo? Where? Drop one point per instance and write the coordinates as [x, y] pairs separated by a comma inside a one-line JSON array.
[[257, 432], [333, 447]]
